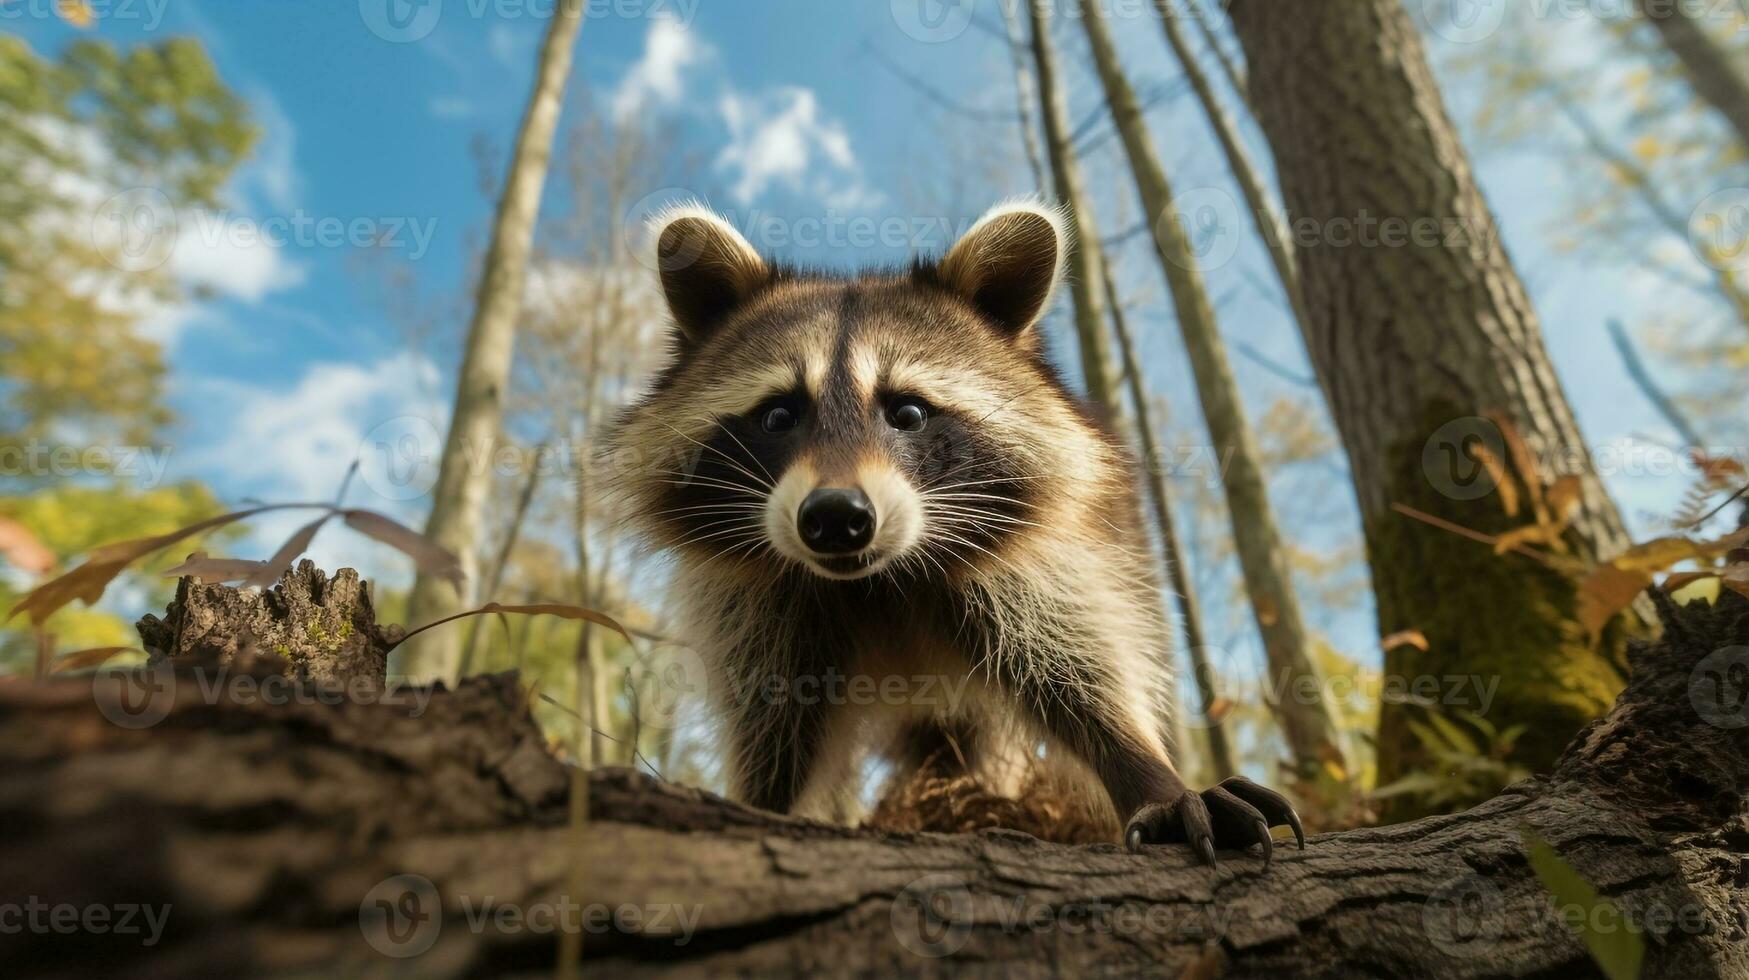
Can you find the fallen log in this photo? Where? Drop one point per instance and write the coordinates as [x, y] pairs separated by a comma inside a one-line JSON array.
[[246, 816]]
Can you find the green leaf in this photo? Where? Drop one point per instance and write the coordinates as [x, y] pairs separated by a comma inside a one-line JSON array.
[[1617, 950]]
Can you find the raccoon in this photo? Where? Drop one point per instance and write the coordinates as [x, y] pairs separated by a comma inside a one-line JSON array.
[[881, 478]]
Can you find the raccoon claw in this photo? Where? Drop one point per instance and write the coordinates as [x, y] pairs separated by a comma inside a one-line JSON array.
[[1235, 814]]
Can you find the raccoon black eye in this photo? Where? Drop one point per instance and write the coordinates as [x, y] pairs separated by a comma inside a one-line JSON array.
[[778, 418], [907, 415]]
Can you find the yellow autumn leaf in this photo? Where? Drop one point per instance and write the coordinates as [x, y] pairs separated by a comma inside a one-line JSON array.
[[75, 12], [1647, 149]]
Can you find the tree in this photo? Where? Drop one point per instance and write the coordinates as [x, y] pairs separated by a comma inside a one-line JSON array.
[[459, 494], [1086, 263], [1717, 76], [1306, 721], [102, 149], [1432, 361], [427, 825]]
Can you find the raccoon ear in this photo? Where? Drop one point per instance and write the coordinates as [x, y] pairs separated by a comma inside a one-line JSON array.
[[1009, 263], [707, 268]]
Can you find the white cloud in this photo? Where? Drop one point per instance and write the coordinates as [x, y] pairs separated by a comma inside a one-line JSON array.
[[504, 46], [449, 107], [655, 78], [783, 137], [296, 444]]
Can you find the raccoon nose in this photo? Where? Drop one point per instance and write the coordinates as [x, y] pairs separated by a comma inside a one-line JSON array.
[[835, 522]]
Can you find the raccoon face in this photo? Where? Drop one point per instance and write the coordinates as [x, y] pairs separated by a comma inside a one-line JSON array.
[[901, 423]]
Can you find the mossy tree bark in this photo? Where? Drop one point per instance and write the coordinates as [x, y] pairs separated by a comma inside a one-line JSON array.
[[1305, 718], [1422, 333]]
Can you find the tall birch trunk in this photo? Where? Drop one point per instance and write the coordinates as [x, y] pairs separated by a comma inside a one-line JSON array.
[[463, 476], [1295, 693]]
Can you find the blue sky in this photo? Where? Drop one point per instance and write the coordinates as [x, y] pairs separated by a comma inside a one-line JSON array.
[[792, 111]]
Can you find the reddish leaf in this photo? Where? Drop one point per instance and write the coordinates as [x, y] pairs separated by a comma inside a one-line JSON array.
[[1605, 592], [100, 568], [22, 548], [1413, 638]]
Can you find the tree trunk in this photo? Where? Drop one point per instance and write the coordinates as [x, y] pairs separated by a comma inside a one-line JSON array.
[[1422, 334], [464, 475], [1299, 705], [1221, 759], [1263, 211], [1711, 68], [1085, 261], [426, 832]]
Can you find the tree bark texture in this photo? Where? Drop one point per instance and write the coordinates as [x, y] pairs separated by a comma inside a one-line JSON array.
[[1423, 337], [424, 832]]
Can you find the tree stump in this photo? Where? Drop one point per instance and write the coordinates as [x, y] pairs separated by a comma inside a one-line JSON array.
[[315, 828]]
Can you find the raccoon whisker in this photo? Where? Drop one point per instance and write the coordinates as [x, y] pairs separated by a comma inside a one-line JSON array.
[[930, 497], [976, 513], [726, 532], [959, 540], [769, 484], [930, 487], [771, 481], [753, 545], [694, 479], [712, 508]]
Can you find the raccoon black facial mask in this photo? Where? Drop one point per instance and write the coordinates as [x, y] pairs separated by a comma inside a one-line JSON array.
[[882, 474]]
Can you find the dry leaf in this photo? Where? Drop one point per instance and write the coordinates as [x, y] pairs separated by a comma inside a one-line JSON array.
[[75, 12], [1413, 638], [1523, 460], [1564, 499], [560, 609], [1503, 482], [273, 569], [88, 581], [80, 659], [1218, 709], [211, 570], [1606, 591], [1658, 554], [431, 557], [1682, 580], [1520, 537], [22, 548]]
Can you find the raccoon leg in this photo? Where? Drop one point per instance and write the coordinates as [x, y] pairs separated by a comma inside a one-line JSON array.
[[1088, 708], [779, 745]]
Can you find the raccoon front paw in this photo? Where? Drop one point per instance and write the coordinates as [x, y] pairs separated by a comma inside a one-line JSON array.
[[1233, 815]]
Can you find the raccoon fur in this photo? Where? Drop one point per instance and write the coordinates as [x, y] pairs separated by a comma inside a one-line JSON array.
[[878, 483]]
